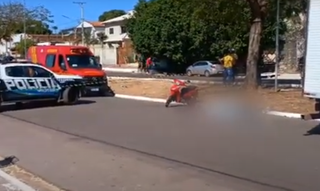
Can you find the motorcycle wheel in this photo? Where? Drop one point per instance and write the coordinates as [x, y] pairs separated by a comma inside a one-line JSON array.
[[169, 100]]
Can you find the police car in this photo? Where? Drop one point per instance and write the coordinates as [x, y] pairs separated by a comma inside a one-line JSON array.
[[26, 82]]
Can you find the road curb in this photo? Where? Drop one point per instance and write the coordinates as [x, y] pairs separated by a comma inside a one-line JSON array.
[[122, 70], [15, 182], [159, 100], [284, 114]]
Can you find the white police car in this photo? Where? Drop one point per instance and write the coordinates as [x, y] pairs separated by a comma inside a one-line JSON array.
[[26, 82]]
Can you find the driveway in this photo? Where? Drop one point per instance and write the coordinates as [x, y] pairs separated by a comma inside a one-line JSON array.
[[272, 152]]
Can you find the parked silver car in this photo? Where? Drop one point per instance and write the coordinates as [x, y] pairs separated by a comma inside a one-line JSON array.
[[206, 68]]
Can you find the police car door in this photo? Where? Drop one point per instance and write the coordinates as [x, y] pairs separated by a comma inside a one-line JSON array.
[[42, 82], [33, 82]]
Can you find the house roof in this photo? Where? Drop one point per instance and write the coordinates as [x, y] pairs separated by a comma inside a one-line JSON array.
[[68, 29], [120, 18], [96, 23], [51, 38]]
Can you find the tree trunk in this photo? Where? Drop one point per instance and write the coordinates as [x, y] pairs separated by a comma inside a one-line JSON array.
[[258, 11], [253, 54]]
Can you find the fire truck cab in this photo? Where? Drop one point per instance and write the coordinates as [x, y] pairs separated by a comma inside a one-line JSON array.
[[72, 60]]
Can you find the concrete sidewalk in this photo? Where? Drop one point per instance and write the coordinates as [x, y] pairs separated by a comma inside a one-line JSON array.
[[126, 68], [10, 183], [282, 76]]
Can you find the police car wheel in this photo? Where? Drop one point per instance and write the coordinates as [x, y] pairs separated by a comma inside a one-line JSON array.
[[19, 104], [70, 95]]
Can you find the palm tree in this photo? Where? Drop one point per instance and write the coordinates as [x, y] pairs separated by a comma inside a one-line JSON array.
[[101, 36]]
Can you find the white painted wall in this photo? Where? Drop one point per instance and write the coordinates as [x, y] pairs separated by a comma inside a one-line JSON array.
[[16, 38], [116, 29], [107, 54]]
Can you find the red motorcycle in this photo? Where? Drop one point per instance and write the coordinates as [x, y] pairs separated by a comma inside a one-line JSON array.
[[180, 92]]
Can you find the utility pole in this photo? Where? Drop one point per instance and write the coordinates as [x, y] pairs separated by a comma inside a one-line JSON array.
[[25, 29], [276, 69], [81, 3]]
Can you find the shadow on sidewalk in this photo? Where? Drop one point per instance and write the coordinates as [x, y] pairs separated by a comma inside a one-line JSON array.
[[8, 161], [314, 131]]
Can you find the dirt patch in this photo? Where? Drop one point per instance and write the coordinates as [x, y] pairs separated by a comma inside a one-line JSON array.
[[154, 89], [287, 101]]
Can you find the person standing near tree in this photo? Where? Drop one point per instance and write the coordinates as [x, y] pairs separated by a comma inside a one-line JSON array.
[[228, 64], [140, 62], [235, 59], [148, 63]]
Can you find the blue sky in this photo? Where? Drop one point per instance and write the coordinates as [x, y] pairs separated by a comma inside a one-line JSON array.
[[71, 12]]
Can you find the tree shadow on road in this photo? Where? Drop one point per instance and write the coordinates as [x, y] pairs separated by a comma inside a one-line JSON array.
[[314, 131], [37, 105]]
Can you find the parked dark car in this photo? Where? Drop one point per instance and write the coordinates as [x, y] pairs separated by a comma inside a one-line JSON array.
[[163, 65]]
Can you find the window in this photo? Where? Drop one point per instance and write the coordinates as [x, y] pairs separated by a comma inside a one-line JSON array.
[[123, 29], [27, 71], [61, 63], [37, 72], [199, 64], [50, 60], [15, 71], [82, 61], [111, 31]]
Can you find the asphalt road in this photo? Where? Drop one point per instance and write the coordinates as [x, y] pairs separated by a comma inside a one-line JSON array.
[[271, 152], [200, 78]]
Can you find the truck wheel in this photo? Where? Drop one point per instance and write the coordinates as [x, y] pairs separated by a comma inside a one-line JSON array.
[[107, 92], [70, 95]]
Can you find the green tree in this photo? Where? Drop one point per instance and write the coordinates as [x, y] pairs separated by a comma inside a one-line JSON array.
[[111, 14], [185, 31], [14, 14], [101, 37], [20, 47], [162, 28], [262, 29]]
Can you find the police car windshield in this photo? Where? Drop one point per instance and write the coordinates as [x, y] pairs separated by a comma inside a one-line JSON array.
[[82, 61]]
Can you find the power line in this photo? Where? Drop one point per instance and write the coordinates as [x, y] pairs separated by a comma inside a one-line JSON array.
[[81, 4]]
